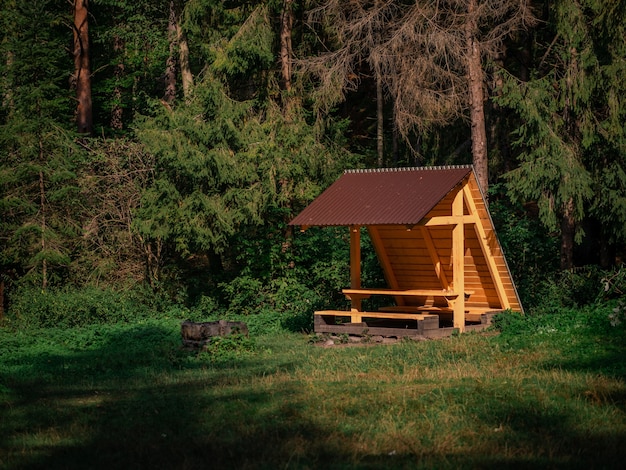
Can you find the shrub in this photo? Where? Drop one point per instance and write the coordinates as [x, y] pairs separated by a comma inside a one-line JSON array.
[[531, 252], [281, 303], [71, 307], [225, 348]]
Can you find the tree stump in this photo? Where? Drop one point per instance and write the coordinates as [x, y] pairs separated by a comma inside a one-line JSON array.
[[199, 334]]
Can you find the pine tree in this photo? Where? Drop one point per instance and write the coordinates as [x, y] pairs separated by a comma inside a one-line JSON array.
[[82, 68], [230, 165], [129, 50], [38, 158], [572, 149], [429, 55], [607, 155]]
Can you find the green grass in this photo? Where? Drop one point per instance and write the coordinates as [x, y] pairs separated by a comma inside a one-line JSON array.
[[548, 392]]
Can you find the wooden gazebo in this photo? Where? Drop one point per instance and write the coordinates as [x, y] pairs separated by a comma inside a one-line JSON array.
[[436, 244]]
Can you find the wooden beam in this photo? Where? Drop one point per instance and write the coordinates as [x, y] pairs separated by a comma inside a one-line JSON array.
[[379, 246], [432, 251], [484, 245], [458, 261], [355, 263], [444, 220]]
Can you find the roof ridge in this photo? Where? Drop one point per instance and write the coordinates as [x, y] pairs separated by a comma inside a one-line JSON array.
[[412, 168]]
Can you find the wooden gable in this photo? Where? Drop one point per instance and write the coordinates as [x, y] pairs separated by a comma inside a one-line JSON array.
[[422, 255]]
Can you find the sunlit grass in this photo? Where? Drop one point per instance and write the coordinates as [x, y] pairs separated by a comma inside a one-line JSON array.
[[130, 396]]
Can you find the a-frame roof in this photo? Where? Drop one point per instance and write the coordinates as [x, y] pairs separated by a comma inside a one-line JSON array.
[[411, 215], [394, 196]]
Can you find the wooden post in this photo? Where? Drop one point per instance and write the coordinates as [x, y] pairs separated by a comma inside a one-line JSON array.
[[434, 257], [355, 264], [383, 258], [458, 261]]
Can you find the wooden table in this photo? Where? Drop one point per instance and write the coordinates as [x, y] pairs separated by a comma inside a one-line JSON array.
[[356, 295]]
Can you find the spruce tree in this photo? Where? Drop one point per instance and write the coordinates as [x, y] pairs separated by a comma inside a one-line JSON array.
[[38, 159], [571, 147], [430, 55]]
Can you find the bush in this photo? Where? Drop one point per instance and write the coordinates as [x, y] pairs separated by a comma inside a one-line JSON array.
[[72, 307], [282, 303], [227, 348], [531, 252]]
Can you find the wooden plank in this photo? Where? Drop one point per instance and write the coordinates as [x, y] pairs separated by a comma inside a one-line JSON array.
[[383, 257], [408, 292], [390, 315], [458, 261], [491, 265], [446, 220], [355, 263], [415, 251], [375, 331], [441, 275], [423, 323]]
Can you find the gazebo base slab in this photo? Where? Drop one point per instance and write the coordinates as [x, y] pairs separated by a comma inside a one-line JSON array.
[[426, 326]]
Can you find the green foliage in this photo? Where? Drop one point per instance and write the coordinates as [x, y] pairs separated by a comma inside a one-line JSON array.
[[129, 49], [39, 199], [551, 171], [289, 281], [69, 307], [531, 252], [228, 178], [227, 348], [250, 49], [197, 198], [571, 145]]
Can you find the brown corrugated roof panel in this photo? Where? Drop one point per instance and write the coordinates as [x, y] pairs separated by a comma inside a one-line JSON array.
[[382, 196]]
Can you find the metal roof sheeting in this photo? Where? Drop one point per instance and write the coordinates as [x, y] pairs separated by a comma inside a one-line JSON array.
[[382, 196]]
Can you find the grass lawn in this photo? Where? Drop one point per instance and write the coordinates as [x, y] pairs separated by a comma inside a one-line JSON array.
[[543, 394]]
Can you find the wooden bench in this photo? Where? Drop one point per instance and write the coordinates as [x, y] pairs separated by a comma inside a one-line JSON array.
[[395, 324], [358, 316], [447, 298]]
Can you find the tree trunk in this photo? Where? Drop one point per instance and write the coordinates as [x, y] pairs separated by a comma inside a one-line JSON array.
[[380, 137], [154, 257], [185, 69], [286, 28], [82, 73], [498, 133], [568, 230], [395, 147], [7, 92], [117, 121], [42, 211], [1, 298], [476, 100], [170, 64]]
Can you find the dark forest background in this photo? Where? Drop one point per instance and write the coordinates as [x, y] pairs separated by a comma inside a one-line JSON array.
[[154, 152]]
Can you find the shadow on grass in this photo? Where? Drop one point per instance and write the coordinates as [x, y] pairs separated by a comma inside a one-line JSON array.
[[552, 436], [138, 400], [132, 398]]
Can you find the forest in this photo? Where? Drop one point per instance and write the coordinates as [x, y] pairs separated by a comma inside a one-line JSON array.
[[152, 155], [155, 152]]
